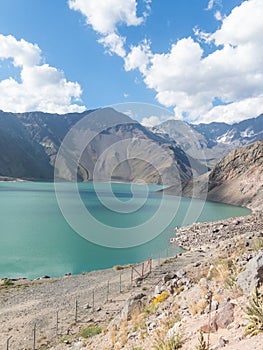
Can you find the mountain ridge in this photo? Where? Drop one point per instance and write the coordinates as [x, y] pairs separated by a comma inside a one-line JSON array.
[[210, 142], [43, 133], [236, 179]]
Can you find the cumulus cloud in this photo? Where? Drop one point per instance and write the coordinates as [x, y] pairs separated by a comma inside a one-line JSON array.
[[41, 87], [105, 16], [114, 43], [150, 121], [188, 80], [138, 57]]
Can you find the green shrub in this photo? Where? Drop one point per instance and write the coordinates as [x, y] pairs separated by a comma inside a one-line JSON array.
[[90, 331], [8, 282], [202, 343], [255, 314]]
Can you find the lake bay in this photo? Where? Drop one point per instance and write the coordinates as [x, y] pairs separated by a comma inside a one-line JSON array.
[[36, 239]]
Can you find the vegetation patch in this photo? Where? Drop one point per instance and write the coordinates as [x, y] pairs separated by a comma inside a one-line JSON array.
[[160, 298], [90, 331], [255, 314]]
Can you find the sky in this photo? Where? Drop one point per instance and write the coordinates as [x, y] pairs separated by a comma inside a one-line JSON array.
[[202, 60]]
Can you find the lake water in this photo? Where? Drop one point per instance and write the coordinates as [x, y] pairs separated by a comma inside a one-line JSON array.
[[36, 239]]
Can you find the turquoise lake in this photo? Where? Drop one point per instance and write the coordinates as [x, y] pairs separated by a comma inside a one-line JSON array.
[[36, 239]]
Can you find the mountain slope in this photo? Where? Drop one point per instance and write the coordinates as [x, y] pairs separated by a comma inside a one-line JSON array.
[[235, 179], [118, 146]]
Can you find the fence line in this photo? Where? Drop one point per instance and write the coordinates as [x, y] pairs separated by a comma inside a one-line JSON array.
[[141, 271]]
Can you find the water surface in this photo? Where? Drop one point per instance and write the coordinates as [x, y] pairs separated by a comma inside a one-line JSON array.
[[36, 240]]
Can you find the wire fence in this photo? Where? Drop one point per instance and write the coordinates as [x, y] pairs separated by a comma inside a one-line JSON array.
[[77, 311]]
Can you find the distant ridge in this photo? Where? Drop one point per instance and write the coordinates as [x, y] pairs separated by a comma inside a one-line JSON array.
[[30, 143], [210, 142]]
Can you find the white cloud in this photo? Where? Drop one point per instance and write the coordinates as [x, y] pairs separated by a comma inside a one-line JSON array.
[[105, 15], [138, 57], [185, 77], [213, 3], [114, 43], [41, 87], [22, 52], [251, 107], [189, 81], [150, 121], [218, 16]]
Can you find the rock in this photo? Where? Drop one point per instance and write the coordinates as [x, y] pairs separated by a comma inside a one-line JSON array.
[[223, 342], [151, 326], [253, 274], [181, 273], [213, 327], [174, 331], [167, 277], [157, 290], [214, 307], [225, 316], [134, 303], [42, 278]]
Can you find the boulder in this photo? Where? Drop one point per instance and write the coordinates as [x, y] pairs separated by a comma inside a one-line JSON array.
[[133, 304], [225, 316], [253, 274]]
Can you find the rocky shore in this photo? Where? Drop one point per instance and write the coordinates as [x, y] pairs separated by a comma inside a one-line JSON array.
[[208, 234]]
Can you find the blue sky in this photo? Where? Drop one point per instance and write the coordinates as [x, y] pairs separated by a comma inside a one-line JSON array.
[[200, 59]]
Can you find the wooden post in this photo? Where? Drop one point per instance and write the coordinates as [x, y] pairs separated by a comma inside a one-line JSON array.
[[57, 323], [93, 300], [142, 269], [210, 296], [7, 343], [76, 311], [34, 336], [108, 290], [131, 276]]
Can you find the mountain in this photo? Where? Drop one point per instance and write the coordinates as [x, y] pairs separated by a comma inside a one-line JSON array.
[[114, 146], [236, 179], [210, 142]]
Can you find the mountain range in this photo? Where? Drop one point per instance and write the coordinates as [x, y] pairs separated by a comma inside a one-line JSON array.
[[115, 147], [119, 147], [210, 142]]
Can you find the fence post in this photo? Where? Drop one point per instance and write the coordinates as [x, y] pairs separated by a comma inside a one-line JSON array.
[[76, 311], [108, 290], [7, 343], [131, 275], [93, 300], [142, 269], [34, 336], [57, 323]]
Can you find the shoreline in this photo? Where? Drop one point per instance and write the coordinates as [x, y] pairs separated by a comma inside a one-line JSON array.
[[28, 302]]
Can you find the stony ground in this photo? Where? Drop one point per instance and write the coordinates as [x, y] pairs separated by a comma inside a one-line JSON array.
[[173, 300]]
